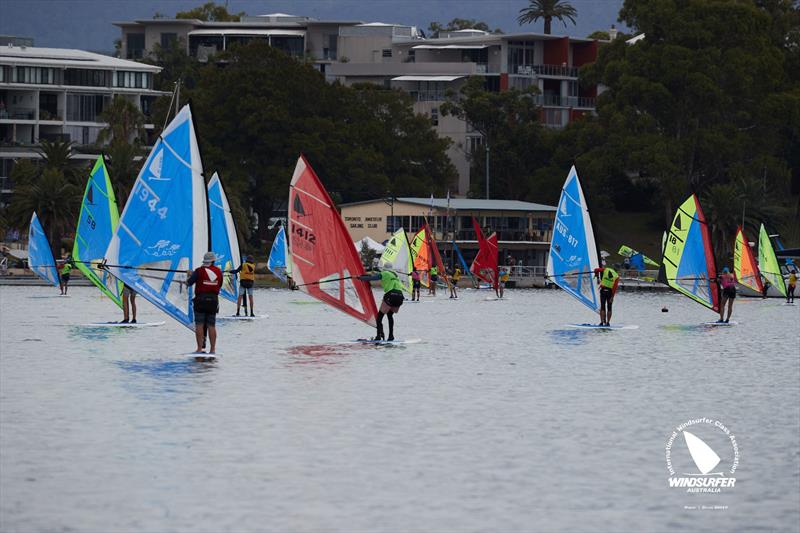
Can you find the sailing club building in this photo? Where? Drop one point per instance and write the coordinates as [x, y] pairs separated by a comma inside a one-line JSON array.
[[524, 229]]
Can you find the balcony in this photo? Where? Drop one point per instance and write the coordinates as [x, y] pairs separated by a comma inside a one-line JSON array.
[[554, 100], [561, 71], [18, 113], [428, 96]]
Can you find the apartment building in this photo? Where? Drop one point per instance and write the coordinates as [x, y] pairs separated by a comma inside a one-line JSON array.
[[400, 56], [55, 93]]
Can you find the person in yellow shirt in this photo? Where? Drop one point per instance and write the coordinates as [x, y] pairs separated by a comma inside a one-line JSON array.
[[791, 287], [63, 278], [247, 278], [454, 283], [608, 279], [502, 278]]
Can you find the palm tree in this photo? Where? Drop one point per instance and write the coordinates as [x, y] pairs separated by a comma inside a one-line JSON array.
[[125, 122], [547, 10]]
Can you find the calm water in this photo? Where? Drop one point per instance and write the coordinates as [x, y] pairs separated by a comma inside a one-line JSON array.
[[501, 419]]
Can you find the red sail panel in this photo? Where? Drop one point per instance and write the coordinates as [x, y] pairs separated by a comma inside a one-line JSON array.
[[744, 264], [437, 258], [324, 260], [485, 264], [711, 263]]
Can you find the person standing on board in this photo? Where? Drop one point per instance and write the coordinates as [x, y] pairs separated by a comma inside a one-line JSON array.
[[128, 301], [727, 282], [208, 281], [392, 299], [454, 282], [434, 277], [502, 278], [791, 287], [63, 278], [247, 278], [608, 279], [416, 284]]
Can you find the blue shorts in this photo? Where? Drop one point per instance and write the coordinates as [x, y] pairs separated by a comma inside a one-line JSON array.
[[246, 291]]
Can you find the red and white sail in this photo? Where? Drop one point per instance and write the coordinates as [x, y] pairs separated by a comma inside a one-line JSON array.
[[324, 261]]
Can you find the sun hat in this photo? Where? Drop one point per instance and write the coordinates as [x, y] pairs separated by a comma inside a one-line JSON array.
[[209, 258]]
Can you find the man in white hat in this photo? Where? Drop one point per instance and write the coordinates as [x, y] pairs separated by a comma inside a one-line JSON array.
[[208, 281]]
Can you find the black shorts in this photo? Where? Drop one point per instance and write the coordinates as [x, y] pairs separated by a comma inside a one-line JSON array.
[[206, 303], [606, 295], [729, 292], [393, 298], [246, 283], [434, 278], [417, 284]]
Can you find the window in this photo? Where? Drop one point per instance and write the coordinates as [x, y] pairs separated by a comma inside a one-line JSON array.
[[135, 46], [572, 87], [85, 107], [168, 39], [435, 116], [386, 52], [138, 80], [37, 75], [85, 77]]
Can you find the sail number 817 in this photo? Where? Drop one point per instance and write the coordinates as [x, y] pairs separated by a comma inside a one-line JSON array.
[[152, 201]]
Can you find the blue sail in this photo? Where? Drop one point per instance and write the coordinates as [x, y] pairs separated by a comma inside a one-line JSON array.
[[277, 256], [224, 242], [163, 231], [40, 257], [573, 253]]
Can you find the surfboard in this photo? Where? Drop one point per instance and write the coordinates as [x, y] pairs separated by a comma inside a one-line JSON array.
[[53, 296], [732, 323], [202, 357], [495, 299], [243, 317], [597, 326], [385, 343], [122, 325]]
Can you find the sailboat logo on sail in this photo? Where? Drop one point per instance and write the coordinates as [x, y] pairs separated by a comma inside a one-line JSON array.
[[704, 457], [298, 207]]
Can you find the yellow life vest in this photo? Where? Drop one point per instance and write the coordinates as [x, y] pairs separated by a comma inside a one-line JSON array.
[[248, 272]]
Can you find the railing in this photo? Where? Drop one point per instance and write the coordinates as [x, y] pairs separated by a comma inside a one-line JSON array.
[[428, 96], [506, 235], [555, 100], [22, 113], [546, 70], [527, 271]]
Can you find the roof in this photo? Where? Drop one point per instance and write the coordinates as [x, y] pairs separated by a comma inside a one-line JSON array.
[[248, 31], [67, 57], [467, 204], [450, 47]]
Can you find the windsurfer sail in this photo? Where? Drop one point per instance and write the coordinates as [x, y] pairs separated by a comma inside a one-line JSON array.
[[484, 266], [224, 242], [325, 262], [435, 256], [420, 253], [97, 223], [688, 261], [744, 264], [397, 257], [768, 262], [40, 256], [163, 230], [463, 263], [635, 257], [278, 256], [573, 258]]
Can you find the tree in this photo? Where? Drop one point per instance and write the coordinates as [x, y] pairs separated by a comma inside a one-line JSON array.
[[547, 10], [509, 122], [259, 108], [460, 24], [210, 12], [125, 122]]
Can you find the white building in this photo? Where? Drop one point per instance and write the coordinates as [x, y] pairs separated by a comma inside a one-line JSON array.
[[55, 93]]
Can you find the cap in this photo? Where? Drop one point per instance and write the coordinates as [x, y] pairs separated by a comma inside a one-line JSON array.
[[209, 258], [725, 270]]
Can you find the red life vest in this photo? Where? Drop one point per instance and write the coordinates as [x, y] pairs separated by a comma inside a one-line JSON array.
[[209, 279]]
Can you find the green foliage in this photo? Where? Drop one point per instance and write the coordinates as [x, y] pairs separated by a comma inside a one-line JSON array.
[[125, 122], [258, 109], [517, 140], [210, 12], [547, 10], [460, 24]]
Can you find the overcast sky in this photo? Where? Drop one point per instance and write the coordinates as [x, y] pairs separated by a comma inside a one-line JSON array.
[[86, 24]]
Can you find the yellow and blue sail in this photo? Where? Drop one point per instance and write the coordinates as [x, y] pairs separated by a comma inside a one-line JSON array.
[[573, 257], [40, 256], [396, 257], [277, 262], [688, 264], [97, 222], [224, 242], [163, 230], [768, 262]]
